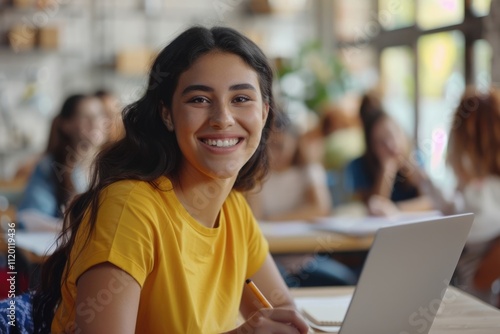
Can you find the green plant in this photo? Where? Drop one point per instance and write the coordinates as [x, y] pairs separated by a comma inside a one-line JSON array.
[[313, 77]]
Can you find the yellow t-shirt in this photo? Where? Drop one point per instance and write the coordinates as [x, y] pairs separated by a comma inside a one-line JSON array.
[[191, 276]]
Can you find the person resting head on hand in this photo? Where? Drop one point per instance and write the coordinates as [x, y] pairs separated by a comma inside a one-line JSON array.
[[385, 176]]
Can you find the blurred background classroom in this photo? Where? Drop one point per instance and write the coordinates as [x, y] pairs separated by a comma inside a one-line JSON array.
[[417, 57]]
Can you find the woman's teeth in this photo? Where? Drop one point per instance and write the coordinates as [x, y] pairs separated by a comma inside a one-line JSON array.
[[221, 142]]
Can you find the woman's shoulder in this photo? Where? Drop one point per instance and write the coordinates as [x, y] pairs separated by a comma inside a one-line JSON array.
[[235, 197], [484, 193], [132, 187], [489, 181], [493, 180], [237, 202]]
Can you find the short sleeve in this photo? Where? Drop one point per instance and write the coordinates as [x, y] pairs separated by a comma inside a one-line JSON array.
[[124, 235]]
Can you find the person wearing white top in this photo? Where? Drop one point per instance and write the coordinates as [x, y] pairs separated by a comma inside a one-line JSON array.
[[297, 190], [474, 156]]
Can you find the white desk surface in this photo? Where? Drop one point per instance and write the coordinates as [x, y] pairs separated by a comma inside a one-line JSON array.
[[349, 230], [461, 313]]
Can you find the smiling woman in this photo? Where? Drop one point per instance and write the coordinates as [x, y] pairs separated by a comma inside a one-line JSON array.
[[218, 113], [163, 240]]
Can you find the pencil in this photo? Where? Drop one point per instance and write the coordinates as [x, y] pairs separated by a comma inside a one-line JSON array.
[[258, 294]]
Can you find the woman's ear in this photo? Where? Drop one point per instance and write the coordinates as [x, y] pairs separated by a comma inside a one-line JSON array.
[[167, 118], [265, 112]]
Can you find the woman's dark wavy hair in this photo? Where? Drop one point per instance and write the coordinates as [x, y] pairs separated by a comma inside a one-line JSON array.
[[57, 147], [149, 151]]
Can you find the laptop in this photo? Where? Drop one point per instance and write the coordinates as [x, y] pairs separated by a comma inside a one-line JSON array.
[[404, 278]]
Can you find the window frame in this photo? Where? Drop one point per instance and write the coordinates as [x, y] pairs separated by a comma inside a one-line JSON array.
[[472, 28]]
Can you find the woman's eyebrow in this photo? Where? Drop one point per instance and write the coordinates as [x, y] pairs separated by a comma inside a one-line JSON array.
[[204, 88], [196, 87], [242, 87]]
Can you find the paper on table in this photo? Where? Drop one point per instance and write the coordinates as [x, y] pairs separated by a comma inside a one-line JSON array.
[[324, 313], [285, 229], [36, 221], [40, 243], [363, 226]]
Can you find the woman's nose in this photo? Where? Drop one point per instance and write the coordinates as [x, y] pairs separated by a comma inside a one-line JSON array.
[[221, 117]]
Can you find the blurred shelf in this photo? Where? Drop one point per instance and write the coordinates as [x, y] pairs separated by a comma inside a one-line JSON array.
[[51, 11]]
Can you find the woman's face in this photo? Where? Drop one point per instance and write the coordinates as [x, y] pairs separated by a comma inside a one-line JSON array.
[[218, 115], [388, 140], [87, 126]]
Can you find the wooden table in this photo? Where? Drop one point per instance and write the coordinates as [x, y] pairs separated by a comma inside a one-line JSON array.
[[356, 235], [316, 241], [313, 241], [459, 311]]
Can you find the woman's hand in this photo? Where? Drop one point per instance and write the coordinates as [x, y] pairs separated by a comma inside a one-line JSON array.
[[283, 318], [277, 320], [381, 206]]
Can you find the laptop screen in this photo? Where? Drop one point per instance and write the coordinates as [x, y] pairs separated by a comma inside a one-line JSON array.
[[405, 276]]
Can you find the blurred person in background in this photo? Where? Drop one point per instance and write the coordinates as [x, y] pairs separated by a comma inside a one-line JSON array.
[[343, 137], [112, 112], [474, 155], [296, 189], [385, 177], [76, 134]]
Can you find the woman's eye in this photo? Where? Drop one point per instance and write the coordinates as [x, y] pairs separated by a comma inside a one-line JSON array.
[[240, 99], [199, 99]]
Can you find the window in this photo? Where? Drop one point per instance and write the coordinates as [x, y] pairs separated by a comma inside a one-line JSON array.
[[481, 7], [426, 51], [440, 85], [439, 13], [482, 62], [398, 85], [396, 14]]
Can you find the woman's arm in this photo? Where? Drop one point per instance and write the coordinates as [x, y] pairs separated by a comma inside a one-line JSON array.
[[384, 180], [107, 301], [283, 318], [271, 284]]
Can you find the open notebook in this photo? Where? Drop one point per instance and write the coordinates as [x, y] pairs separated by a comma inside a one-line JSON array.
[[325, 317], [327, 311], [408, 268]]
